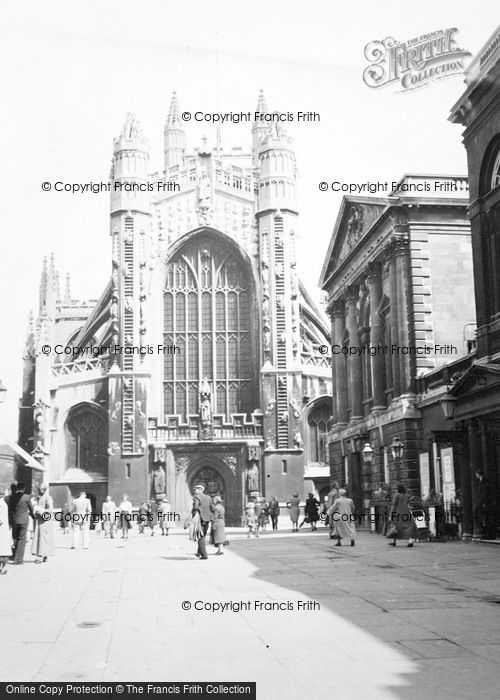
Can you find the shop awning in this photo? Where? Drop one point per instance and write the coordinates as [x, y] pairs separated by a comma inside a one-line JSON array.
[[30, 461]]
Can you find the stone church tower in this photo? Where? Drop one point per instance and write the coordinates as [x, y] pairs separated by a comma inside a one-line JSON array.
[[200, 362]]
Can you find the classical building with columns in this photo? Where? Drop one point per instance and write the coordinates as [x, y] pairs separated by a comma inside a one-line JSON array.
[[401, 302], [200, 362], [461, 402]]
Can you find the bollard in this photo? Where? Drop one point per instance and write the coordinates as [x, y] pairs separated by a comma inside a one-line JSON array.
[[372, 519]]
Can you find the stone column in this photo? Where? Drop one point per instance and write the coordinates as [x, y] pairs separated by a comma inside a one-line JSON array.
[[407, 363], [474, 466], [466, 497], [393, 318], [340, 379], [374, 283], [354, 374]]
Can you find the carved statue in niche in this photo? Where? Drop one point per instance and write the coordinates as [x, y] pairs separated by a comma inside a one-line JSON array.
[[205, 401], [158, 480], [270, 407], [204, 197], [253, 477], [295, 407], [298, 442], [354, 225]]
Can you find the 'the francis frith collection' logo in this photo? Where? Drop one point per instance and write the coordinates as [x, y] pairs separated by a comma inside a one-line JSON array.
[[416, 62]]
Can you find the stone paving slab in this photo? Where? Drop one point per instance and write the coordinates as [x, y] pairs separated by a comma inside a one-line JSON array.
[[393, 623]]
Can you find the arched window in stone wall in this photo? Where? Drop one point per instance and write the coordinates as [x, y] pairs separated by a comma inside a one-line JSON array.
[[209, 315], [87, 439], [319, 422]]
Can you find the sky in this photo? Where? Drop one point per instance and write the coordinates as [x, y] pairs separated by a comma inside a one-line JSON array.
[[71, 71]]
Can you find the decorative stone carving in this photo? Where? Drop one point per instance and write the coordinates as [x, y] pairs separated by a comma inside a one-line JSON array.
[[298, 442], [115, 413], [205, 401], [182, 463], [204, 198], [253, 478], [354, 225], [232, 462], [295, 408], [113, 449], [270, 407]]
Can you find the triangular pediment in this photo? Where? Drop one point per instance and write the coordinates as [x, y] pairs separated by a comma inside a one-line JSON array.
[[477, 377], [355, 219]]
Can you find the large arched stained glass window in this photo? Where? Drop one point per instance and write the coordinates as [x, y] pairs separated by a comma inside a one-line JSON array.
[[87, 439], [208, 316]]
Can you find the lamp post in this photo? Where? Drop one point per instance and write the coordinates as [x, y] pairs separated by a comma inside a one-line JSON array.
[[397, 449], [448, 405], [367, 453]]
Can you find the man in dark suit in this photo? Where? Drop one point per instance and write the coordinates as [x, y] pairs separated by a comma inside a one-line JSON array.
[[203, 505], [20, 510]]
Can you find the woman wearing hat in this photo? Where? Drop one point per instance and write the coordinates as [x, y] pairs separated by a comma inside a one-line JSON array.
[[218, 535]]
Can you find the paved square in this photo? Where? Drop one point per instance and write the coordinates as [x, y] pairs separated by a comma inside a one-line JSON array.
[[301, 617]]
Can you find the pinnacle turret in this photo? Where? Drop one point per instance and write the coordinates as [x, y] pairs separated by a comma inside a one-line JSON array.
[[174, 137]]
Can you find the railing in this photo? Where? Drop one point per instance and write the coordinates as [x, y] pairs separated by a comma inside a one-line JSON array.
[[80, 366], [177, 431]]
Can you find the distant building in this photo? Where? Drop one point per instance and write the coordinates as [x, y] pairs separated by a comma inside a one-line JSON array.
[[200, 362], [401, 301]]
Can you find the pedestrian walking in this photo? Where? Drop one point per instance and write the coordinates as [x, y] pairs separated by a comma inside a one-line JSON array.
[[153, 514], [143, 517], [311, 512], [20, 513], [250, 519], [109, 512], [164, 516], [66, 516], [5, 535], [332, 496], [43, 536], [125, 508], [342, 516], [202, 517], [218, 535], [82, 512], [274, 512], [294, 507], [264, 515], [402, 524]]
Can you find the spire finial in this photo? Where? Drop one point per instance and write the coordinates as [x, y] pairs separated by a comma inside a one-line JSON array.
[[174, 117], [67, 291]]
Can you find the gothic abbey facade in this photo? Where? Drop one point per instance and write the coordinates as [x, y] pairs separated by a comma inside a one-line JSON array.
[[200, 361]]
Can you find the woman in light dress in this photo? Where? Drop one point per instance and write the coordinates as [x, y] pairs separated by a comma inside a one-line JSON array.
[[43, 534]]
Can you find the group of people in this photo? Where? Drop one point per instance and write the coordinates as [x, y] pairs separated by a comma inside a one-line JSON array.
[[17, 509], [258, 513], [207, 513], [340, 510]]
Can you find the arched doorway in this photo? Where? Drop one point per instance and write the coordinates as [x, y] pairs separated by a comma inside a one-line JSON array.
[[212, 481]]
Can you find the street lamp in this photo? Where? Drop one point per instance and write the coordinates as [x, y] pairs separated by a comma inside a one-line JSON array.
[[3, 391], [448, 404], [367, 453], [397, 449]]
